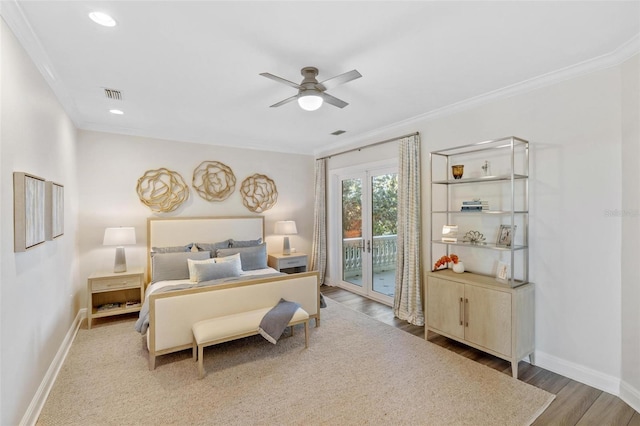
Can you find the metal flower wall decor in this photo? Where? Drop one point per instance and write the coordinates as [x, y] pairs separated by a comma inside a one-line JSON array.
[[259, 193], [213, 181], [162, 190]]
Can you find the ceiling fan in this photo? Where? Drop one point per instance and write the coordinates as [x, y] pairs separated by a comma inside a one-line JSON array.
[[312, 94]]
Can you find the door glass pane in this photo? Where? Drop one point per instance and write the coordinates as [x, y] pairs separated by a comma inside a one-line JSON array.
[[384, 212], [352, 231]]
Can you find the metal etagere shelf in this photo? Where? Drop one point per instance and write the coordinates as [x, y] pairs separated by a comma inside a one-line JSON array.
[[508, 202]]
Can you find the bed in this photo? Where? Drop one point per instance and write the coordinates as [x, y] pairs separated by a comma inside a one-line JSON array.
[[174, 301]]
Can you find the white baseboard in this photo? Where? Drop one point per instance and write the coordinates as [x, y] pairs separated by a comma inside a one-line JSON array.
[[35, 407], [578, 372], [630, 395]]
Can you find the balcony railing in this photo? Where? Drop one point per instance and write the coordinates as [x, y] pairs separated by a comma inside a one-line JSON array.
[[383, 251]]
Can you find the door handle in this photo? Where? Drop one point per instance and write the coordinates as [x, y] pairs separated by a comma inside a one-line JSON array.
[[466, 312], [368, 246]]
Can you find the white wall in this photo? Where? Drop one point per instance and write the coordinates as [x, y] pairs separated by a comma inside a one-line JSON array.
[[575, 240], [630, 218], [110, 165], [574, 130], [40, 289]]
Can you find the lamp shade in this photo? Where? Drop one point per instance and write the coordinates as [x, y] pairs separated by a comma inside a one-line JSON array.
[[285, 227], [119, 236]]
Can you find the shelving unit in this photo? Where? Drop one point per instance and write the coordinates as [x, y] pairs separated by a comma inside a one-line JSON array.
[[506, 191], [475, 307]]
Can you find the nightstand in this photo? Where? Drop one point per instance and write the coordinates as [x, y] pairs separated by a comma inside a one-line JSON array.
[[110, 293], [290, 264]]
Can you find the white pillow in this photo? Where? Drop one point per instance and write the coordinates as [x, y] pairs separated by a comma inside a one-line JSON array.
[[233, 259], [192, 267]]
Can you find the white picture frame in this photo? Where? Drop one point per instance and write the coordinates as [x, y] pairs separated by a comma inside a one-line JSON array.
[[502, 272], [505, 236]]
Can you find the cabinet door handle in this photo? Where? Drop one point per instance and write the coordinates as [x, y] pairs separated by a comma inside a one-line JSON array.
[[466, 312], [461, 312]]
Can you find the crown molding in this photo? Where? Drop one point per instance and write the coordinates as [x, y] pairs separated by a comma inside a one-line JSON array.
[[15, 18], [617, 57]]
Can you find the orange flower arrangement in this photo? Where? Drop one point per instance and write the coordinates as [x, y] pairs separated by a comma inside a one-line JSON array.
[[446, 259]]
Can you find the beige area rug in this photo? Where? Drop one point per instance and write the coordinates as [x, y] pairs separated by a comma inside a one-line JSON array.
[[356, 371]]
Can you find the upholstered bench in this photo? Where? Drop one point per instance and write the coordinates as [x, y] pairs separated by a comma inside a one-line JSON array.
[[230, 327]]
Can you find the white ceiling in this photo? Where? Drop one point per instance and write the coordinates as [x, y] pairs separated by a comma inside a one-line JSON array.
[[189, 70]]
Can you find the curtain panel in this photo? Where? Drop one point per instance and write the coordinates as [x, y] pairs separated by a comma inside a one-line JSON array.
[[319, 245], [408, 290]]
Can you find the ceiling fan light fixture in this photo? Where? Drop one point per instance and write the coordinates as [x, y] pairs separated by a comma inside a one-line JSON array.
[[103, 19], [310, 101]]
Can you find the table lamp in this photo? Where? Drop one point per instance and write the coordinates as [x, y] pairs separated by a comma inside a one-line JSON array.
[[119, 237], [286, 227]]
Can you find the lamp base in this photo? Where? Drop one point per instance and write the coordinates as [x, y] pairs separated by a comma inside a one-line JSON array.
[[120, 264], [286, 248]]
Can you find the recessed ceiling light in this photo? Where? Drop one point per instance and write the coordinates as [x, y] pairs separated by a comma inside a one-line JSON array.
[[116, 111], [102, 19]]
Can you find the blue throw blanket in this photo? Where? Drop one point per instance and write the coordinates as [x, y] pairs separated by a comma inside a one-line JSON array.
[[276, 320]]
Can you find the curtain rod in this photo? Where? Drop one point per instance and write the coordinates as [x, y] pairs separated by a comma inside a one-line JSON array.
[[369, 146]]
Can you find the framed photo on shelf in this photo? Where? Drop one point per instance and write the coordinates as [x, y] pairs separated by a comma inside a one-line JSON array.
[[502, 272], [505, 236]]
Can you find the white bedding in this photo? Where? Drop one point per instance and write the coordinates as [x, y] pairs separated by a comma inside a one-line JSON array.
[[161, 284], [142, 323]]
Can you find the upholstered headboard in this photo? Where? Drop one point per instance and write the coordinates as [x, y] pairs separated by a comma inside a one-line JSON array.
[[167, 232]]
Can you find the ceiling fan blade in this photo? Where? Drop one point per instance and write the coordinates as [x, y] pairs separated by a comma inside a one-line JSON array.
[[280, 80], [286, 101], [340, 79], [333, 100]]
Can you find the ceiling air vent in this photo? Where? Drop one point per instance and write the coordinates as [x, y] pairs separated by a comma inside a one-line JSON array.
[[113, 94], [338, 132]]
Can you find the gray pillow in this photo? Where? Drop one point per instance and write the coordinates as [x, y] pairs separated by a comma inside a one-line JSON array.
[[173, 266], [251, 257], [174, 249], [212, 247], [245, 243], [214, 271]]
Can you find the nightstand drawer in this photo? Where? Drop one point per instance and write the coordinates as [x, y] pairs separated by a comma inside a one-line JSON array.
[[293, 262], [114, 283]]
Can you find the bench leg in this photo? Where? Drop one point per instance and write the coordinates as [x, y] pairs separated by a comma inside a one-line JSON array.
[[194, 349], [306, 334], [200, 362]]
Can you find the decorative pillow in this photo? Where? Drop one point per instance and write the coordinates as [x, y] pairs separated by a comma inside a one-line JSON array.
[[245, 243], [234, 259], [173, 266], [192, 269], [214, 271], [174, 249], [251, 257], [212, 247]]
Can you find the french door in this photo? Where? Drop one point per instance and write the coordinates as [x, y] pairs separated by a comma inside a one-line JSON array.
[[368, 230]]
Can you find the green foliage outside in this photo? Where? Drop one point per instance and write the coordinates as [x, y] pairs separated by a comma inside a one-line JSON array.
[[384, 202]]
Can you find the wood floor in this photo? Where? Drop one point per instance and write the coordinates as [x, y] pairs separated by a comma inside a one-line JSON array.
[[575, 403]]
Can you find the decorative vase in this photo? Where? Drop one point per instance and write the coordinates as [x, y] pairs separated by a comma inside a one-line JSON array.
[[458, 267], [457, 171]]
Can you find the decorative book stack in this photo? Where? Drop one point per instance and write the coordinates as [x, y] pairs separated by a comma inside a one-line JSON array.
[[474, 206]]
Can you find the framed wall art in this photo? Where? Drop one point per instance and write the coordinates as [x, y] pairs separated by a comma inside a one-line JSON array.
[[54, 208], [28, 211]]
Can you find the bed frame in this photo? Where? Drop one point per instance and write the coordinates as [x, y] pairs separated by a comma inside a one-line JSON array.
[[172, 314]]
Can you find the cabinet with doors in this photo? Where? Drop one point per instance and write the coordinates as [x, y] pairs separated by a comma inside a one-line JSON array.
[[480, 312], [480, 212]]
